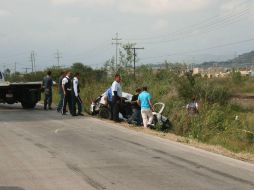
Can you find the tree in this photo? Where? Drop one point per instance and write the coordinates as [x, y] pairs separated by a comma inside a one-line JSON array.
[[110, 66], [127, 55], [81, 68], [7, 72], [88, 74]]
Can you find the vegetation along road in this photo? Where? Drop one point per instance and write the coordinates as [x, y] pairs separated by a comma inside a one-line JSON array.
[[43, 151]]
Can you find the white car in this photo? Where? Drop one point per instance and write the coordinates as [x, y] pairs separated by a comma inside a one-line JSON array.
[[101, 107]]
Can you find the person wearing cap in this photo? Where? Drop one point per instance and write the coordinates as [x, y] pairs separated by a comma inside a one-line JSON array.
[[145, 101]]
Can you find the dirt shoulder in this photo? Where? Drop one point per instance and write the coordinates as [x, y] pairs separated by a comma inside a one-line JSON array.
[[247, 157]]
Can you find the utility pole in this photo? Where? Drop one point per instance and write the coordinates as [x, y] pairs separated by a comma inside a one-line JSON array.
[[117, 43], [134, 54], [34, 62], [58, 57], [32, 59], [15, 68], [235, 56]]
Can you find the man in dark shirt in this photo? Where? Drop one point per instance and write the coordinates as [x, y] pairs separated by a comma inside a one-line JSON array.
[[67, 91], [60, 92], [136, 110], [47, 84]]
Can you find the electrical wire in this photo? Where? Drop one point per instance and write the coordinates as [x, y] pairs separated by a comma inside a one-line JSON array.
[[202, 49], [215, 20]]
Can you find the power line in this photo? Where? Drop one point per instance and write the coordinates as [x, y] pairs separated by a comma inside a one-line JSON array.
[[204, 30], [206, 22], [203, 49]]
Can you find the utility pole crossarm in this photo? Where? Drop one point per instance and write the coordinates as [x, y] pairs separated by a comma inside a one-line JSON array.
[[117, 43], [134, 53]]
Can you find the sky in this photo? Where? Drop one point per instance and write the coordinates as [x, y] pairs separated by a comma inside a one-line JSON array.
[[190, 31]]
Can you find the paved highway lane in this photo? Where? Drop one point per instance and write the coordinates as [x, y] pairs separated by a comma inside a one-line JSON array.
[[41, 150]]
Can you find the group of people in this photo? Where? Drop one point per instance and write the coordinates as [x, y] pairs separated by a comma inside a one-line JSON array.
[[141, 103], [68, 90], [142, 106]]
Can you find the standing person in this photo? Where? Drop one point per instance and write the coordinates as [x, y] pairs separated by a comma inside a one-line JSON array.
[[60, 92], [145, 101], [136, 109], [67, 88], [116, 97], [192, 107], [109, 99], [47, 84], [76, 98]]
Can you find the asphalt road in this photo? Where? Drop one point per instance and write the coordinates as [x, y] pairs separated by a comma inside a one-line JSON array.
[[42, 150]]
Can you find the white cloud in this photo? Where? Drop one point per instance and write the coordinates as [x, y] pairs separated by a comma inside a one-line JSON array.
[[140, 6], [233, 5], [72, 20], [161, 25], [161, 6], [4, 13], [236, 7], [86, 3], [63, 2]]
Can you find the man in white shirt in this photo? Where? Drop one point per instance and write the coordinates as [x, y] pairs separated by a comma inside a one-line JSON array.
[[76, 98], [67, 88], [192, 107], [116, 97]]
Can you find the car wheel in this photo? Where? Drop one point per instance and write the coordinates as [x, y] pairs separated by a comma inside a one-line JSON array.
[[105, 113], [28, 105]]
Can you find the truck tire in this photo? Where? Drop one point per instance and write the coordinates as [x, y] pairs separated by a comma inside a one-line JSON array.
[[105, 113], [28, 105]]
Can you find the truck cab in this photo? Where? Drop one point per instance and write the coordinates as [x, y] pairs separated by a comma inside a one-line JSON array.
[[1, 77]]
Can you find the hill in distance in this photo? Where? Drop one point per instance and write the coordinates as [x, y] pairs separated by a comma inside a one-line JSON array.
[[244, 60]]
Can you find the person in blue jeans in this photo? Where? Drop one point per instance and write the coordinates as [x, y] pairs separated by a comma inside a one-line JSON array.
[[109, 100], [136, 109], [145, 101]]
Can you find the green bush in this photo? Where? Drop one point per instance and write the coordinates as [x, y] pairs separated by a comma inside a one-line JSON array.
[[203, 89]]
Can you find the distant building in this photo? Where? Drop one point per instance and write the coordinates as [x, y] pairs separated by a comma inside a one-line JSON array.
[[211, 72], [245, 72], [197, 71], [252, 73]]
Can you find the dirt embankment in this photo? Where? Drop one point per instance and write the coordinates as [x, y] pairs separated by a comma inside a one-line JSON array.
[[247, 157]]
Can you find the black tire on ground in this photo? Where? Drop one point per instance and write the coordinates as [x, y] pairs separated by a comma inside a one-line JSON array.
[[155, 120], [105, 113], [28, 105]]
